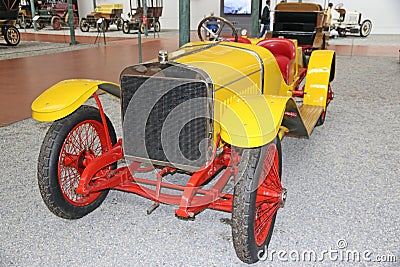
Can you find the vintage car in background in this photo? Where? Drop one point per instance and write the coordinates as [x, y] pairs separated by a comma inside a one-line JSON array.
[[8, 18], [103, 16], [55, 15], [202, 128], [351, 22], [60, 16], [139, 21]]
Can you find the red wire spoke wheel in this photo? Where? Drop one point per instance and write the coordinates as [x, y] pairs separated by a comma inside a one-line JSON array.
[[71, 143], [269, 195], [257, 197], [86, 141]]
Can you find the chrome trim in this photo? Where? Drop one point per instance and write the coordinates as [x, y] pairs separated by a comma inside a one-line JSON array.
[[203, 47], [260, 61]]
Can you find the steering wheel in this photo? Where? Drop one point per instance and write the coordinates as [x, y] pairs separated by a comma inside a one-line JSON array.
[[210, 29]]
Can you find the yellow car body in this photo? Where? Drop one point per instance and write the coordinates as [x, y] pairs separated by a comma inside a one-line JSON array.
[[250, 94]]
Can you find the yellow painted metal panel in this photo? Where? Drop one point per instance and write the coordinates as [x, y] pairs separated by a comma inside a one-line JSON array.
[[252, 120], [63, 98], [317, 79]]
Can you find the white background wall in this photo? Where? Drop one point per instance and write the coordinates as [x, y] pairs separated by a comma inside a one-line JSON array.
[[383, 13]]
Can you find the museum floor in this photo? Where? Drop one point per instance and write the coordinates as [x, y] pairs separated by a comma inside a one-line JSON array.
[[343, 183]]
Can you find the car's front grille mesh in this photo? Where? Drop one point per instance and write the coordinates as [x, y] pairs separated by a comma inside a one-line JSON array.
[[165, 120]]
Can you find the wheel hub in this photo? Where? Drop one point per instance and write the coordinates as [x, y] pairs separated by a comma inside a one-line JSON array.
[[283, 197]]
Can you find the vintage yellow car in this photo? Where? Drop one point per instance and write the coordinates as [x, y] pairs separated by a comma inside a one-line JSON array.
[[213, 113]]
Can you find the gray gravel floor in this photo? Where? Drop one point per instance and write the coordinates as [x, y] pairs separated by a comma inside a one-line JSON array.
[[373, 39], [34, 48], [343, 184]]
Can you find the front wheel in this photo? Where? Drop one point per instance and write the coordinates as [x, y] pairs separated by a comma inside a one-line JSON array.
[[157, 26], [69, 146], [258, 194], [84, 25], [365, 28], [11, 35]]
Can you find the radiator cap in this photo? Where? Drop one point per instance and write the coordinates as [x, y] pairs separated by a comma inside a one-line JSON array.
[[163, 56]]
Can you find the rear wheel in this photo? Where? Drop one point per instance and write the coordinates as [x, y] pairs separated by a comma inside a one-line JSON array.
[[125, 27], [157, 26], [11, 35], [366, 27], [84, 25], [69, 146], [258, 194]]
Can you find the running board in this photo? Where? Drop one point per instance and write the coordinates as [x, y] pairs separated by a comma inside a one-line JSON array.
[[310, 115]]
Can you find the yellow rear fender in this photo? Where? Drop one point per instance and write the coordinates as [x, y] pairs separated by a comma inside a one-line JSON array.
[[65, 97], [320, 72], [252, 120]]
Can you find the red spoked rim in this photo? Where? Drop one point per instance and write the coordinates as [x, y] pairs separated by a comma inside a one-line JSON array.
[[269, 195], [86, 141]]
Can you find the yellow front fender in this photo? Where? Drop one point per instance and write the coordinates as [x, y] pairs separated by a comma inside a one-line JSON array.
[[65, 97], [320, 72], [252, 120]]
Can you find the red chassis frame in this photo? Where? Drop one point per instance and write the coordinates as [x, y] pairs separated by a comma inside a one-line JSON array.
[[193, 199]]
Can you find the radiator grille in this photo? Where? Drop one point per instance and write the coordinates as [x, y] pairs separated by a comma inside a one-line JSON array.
[[166, 120]]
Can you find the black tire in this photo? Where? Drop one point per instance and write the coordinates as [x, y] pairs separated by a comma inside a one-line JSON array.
[[329, 97], [119, 24], [126, 27], [84, 25], [365, 28], [61, 198], [157, 26], [247, 213], [321, 119], [12, 35]]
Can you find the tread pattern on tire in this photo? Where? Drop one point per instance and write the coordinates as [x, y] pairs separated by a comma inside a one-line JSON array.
[[248, 177], [52, 143], [242, 202]]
